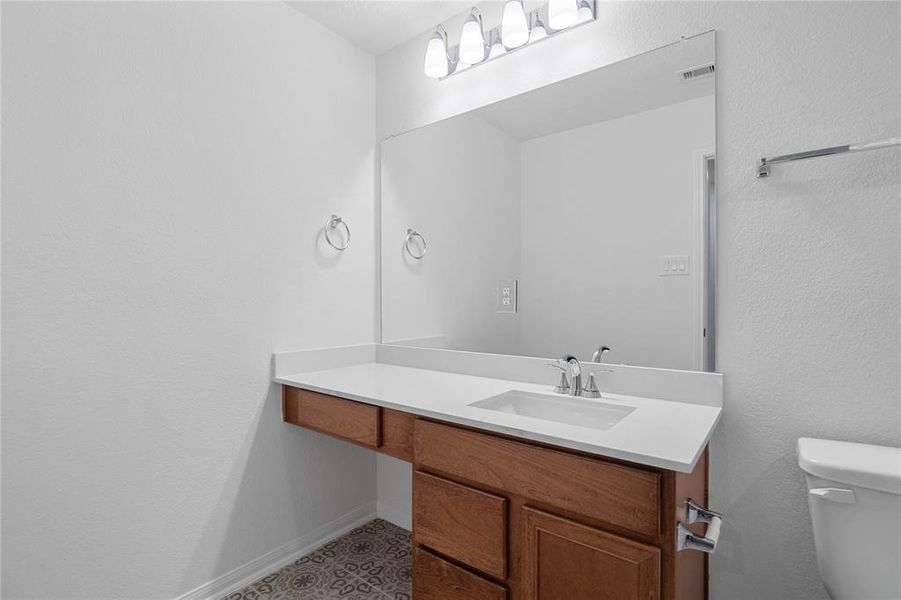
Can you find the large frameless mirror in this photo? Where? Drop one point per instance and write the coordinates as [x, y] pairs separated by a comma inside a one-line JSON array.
[[571, 218]]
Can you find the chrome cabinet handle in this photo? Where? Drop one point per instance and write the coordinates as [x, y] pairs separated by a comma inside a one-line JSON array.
[[688, 540]]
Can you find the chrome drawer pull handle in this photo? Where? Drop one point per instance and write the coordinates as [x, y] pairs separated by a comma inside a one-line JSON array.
[[688, 540]]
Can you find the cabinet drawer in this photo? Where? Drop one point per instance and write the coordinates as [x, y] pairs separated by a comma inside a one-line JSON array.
[[437, 579], [563, 559], [352, 421], [622, 496], [463, 523]]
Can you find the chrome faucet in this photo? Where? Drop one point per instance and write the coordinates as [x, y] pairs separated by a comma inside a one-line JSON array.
[[573, 363], [598, 355]]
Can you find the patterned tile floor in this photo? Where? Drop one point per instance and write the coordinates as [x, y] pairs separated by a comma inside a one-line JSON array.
[[372, 562]]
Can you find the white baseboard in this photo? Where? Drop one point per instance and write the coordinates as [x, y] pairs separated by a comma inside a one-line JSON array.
[[400, 518], [275, 559]]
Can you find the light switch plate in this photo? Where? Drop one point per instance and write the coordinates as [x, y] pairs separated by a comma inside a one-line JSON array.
[[506, 295], [674, 265]]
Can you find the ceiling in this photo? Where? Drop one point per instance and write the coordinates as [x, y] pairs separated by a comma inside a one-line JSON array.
[[379, 25], [637, 84]]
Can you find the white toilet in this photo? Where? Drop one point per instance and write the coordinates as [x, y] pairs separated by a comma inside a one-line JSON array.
[[854, 494]]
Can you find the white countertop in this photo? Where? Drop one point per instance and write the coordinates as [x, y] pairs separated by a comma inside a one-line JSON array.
[[659, 433]]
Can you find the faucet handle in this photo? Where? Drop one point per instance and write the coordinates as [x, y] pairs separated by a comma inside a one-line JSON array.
[[562, 386], [591, 388]]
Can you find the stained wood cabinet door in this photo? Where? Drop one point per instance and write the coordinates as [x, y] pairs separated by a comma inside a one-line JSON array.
[[565, 560]]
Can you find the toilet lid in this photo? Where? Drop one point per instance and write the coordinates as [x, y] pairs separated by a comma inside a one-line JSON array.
[[863, 465]]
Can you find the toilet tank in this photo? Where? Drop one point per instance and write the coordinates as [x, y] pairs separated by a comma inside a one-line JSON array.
[[854, 496]]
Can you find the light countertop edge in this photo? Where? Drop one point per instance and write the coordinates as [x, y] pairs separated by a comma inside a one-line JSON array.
[[450, 413]]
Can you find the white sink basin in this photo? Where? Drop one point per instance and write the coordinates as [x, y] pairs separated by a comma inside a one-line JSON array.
[[570, 410]]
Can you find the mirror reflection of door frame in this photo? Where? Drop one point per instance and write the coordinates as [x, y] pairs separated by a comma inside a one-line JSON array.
[[704, 235]]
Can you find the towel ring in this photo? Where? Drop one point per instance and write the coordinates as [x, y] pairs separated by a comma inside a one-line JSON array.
[[332, 224], [412, 234]]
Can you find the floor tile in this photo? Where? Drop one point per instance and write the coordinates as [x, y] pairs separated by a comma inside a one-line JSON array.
[[379, 552], [371, 562]]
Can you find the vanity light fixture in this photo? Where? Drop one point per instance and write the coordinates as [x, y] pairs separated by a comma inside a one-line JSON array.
[[497, 48], [517, 29], [585, 12], [472, 40], [562, 13], [436, 59], [538, 31], [514, 26]]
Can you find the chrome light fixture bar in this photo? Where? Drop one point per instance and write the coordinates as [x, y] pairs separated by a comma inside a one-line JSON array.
[[516, 30]]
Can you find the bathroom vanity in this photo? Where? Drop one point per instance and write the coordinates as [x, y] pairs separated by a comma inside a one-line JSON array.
[[576, 221], [507, 506]]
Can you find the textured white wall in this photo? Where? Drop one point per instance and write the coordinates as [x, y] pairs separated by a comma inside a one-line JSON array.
[[808, 308], [167, 168], [614, 196], [395, 490]]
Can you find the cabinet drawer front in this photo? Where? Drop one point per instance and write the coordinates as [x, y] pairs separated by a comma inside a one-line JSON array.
[[397, 434], [622, 496], [565, 560], [437, 579], [352, 421], [461, 522]]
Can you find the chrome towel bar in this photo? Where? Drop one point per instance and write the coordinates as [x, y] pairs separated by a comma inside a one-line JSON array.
[[763, 165]]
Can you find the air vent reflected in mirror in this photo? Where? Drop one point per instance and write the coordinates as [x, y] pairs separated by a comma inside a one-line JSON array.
[[696, 72]]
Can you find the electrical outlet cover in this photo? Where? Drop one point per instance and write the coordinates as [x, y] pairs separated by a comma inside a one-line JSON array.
[[506, 295]]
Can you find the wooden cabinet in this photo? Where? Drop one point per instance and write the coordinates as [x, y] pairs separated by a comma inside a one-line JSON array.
[[381, 429], [500, 518], [625, 497], [459, 521], [436, 579], [397, 434], [351, 421], [565, 560], [578, 527]]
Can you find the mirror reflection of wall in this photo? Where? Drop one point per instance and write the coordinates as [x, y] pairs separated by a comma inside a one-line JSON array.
[[581, 205]]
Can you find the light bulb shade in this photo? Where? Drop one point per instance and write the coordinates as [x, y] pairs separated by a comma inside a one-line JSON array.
[[562, 13], [538, 32], [435, 64], [585, 13], [494, 41], [514, 26], [472, 41]]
